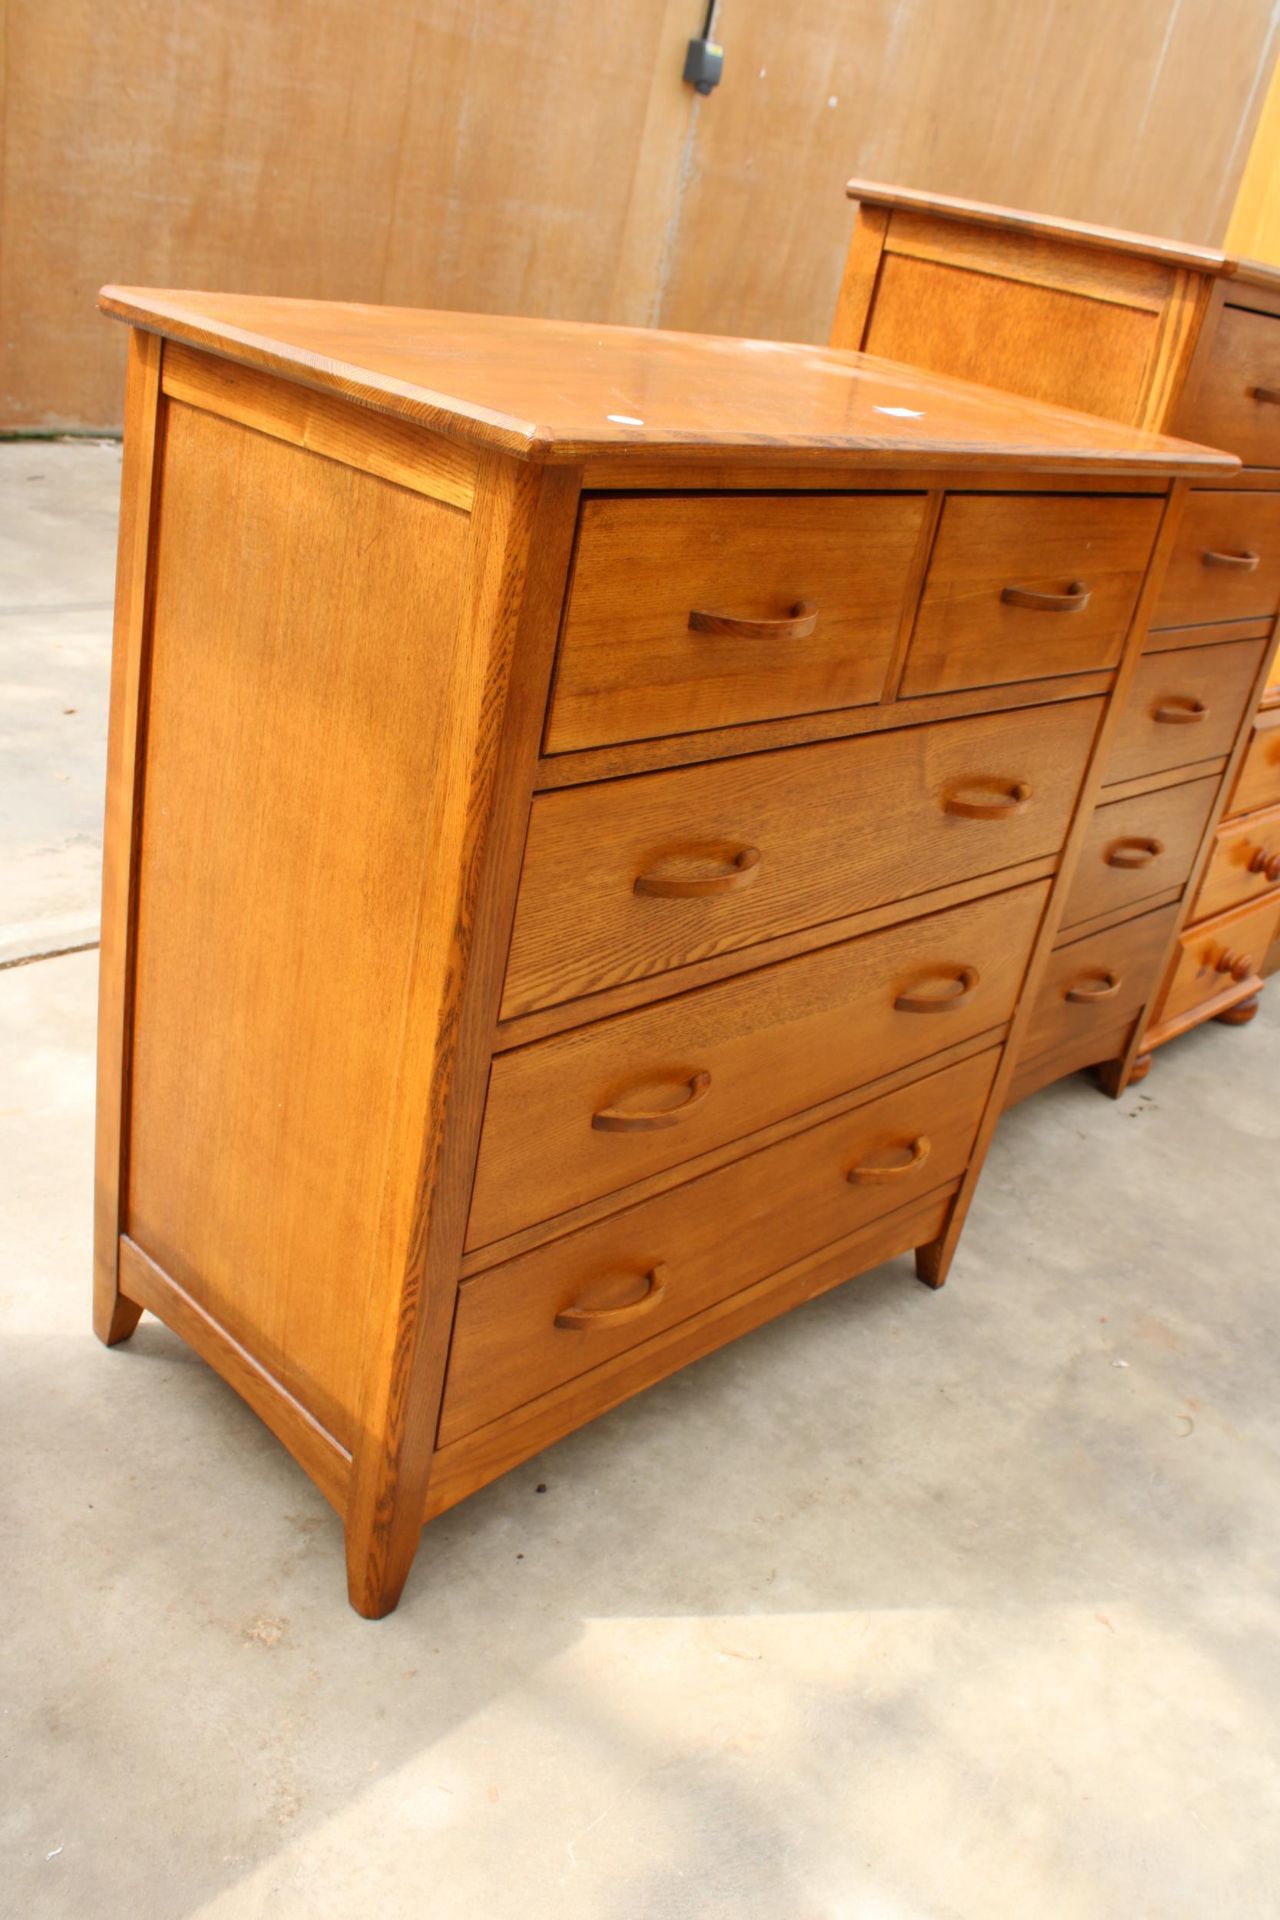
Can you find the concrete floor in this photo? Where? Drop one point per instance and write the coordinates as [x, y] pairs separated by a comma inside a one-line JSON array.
[[908, 1607]]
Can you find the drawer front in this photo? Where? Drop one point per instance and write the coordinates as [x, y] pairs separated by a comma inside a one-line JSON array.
[[632, 877], [1259, 781], [683, 613], [1184, 706], [589, 1112], [1245, 865], [1225, 563], [1096, 983], [1021, 587], [1227, 412], [536, 1321], [1218, 954], [1140, 847]]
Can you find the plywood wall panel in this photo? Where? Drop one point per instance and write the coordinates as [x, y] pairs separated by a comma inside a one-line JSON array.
[[545, 158], [1137, 116]]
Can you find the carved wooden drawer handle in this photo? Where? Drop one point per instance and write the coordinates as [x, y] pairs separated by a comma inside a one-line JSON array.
[[998, 808], [1238, 562], [798, 624], [1271, 395], [1238, 965], [1180, 712], [1087, 995], [954, 994], [1138, 852], [584, 1319], [917, 1152], [618, 1120], [1266, 863], [1074, 600], [742, 872]]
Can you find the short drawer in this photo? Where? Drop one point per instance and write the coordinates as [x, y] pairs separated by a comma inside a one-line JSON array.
[[534, 1322], [1225, 563], [632, 877], [1095, 984], [1022, 587], [1258, 784], [1139, 847], [589, 1112], [704, 610], [1217, 956], [1237, 406], [1184, 706], [1245, 864]]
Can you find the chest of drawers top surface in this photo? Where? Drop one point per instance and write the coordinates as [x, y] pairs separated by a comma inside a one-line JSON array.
[[557, 390]]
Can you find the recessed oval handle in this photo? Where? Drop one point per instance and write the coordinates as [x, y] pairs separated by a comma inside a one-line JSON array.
[[954, 994], [1074, 600], [999, 807], [797, 625], [1270, 396], [1180, 712], [743, 871], [1266, 863], [1238, 965], [578, 1319], [640, 1120], [1237, 562], [1085, 995], [1139, 851], [870, 1171]]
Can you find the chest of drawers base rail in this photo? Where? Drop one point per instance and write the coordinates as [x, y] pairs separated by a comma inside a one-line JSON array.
[[384, 690], [1179, 339]]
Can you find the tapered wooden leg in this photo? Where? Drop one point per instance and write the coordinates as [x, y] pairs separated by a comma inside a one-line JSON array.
[[1239, 1016], [114, 1317], [378, 1564], [933, 1262]]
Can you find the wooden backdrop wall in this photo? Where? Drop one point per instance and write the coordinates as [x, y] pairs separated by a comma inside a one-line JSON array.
[[543, 156]]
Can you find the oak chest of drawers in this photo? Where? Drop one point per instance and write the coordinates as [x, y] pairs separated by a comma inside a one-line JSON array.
[[589, 811], [1178, 897]]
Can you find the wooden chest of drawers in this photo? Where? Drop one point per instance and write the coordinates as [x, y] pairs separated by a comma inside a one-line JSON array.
[[1178, 339], [573, 889]]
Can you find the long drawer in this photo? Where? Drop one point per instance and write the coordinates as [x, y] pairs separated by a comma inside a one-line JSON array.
[[541, 1319], [1021, 587], [1185, 705], [1093, 985], [690, 610], [1137, 848], [590, 1111], [1217, 955], [1245, 864], [1258, 784], [632, 877], [1226, 560]]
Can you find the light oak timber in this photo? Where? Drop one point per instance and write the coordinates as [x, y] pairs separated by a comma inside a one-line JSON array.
[[545, 1231], [537, 1321], [1139, 847], [1117, 916], [471, 1463], [545, 391], [1220, 633], [634, 877], [639, 756], [1143, 330], [351, 540], [1244, 866], [411, 456], [115, 1315], [314, 1448], [1258, 782]]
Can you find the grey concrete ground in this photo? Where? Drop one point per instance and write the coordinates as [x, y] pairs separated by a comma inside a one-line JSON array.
[[909, 1607]]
